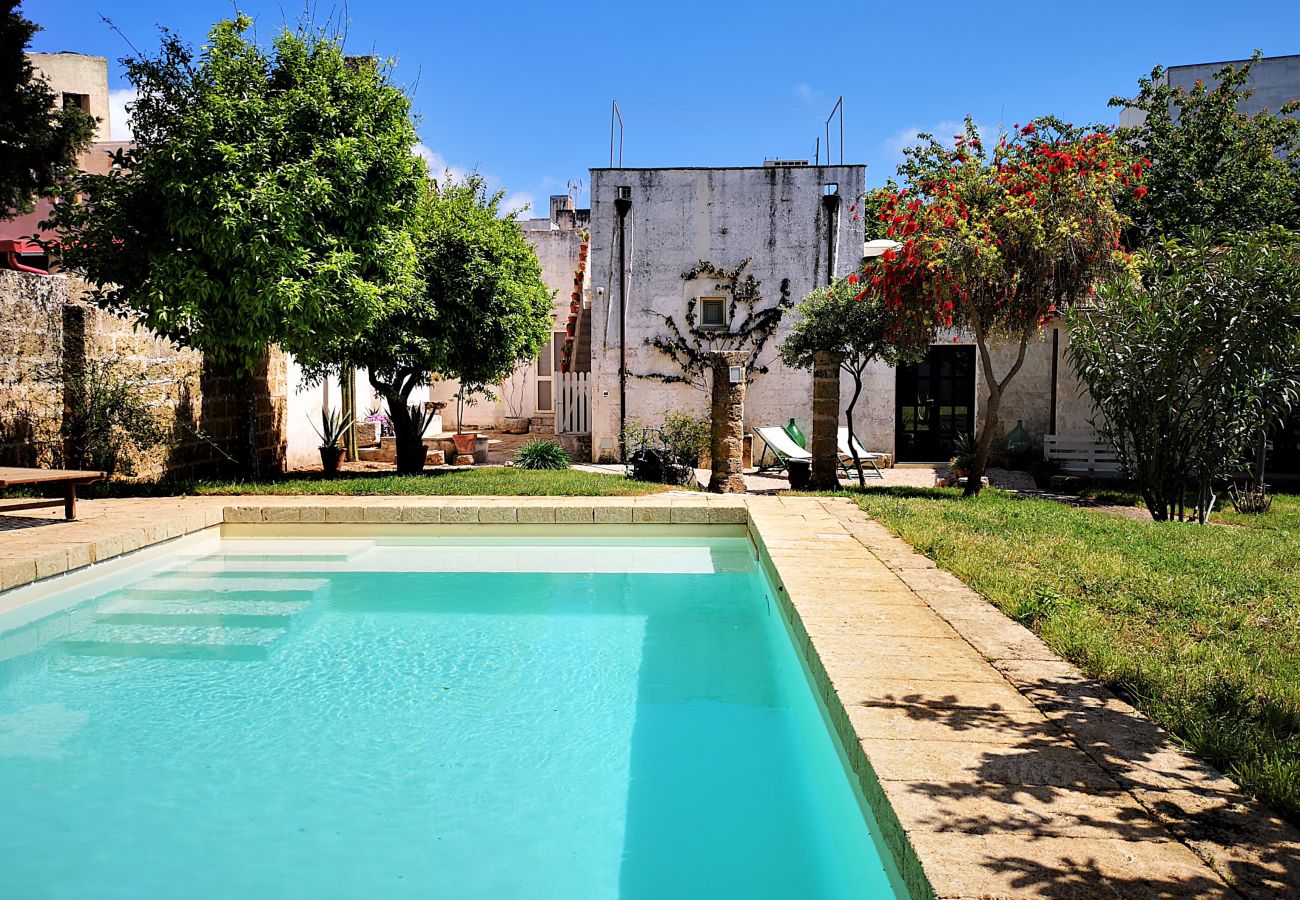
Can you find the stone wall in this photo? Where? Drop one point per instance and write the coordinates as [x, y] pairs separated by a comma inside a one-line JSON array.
[[46, 333]]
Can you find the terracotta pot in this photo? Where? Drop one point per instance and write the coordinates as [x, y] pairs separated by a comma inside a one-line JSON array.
[[465, 442], [329, 459]]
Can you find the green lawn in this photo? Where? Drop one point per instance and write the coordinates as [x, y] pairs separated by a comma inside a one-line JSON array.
[[1199, 626], [489, 480]]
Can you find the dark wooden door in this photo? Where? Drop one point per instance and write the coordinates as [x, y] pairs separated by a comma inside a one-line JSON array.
[[936, 403]]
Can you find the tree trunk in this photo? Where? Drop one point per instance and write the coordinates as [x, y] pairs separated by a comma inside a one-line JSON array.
[[410, 444], [856, 374], [975, 478], [249, 455]]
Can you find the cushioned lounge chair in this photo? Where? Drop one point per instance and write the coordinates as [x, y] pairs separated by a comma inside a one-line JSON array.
[[778, 443], [866, 456]]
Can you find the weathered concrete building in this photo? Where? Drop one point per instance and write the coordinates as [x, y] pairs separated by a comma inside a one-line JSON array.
[[796, 225]]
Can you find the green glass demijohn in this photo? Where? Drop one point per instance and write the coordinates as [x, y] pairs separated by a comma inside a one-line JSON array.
[[795, 434], [1018, 441]]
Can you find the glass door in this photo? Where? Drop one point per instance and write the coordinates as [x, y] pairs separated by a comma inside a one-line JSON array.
[[936, 402]]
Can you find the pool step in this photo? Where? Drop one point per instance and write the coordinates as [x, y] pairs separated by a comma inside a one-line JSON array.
[[275, 587], [183, 616], [174, 641]]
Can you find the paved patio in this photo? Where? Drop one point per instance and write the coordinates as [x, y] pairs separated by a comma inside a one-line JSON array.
[[996, 768]]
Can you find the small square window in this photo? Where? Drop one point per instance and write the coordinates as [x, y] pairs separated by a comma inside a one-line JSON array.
[[713, 312]]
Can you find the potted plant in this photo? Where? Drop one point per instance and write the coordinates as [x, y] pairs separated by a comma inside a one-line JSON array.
[[963, 458], [334, 424], [514, 392], [464, 440]]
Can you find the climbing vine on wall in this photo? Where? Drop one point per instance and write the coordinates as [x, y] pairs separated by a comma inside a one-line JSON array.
[[749, 325]]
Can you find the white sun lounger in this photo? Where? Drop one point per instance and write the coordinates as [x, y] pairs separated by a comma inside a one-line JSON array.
[[781, 445], [866, 456]]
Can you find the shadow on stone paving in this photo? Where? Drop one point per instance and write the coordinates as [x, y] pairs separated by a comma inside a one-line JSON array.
[[1150, 791]]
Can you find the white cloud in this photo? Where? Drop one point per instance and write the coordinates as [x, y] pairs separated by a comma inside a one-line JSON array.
[[119, 119], [896, 143], [521, 201], [808, 94], [439, 167]]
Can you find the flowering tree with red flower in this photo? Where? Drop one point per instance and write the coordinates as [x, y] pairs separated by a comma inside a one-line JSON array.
[[995, 242]]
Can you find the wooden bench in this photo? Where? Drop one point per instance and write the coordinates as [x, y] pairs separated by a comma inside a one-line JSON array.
[[1081, 453], [70, 479]]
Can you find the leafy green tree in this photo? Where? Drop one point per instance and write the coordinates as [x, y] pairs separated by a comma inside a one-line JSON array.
[[1208, 165], [1190, 360], [832, 318], [996, 242], [39, 138], [483, 311], [268, 198]]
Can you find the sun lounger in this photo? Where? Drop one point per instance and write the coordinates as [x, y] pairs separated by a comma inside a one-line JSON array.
[[69, 479], [781, 446], [864, 455]]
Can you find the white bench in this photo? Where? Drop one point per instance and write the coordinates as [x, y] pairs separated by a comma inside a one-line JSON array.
[[1082, 453]]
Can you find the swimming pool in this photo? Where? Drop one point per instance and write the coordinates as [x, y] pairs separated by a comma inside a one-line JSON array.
[[423, 717]]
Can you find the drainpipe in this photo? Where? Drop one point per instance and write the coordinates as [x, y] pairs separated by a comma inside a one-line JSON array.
[[19, 267], [1056, 344], [831, 202], [623, 206]]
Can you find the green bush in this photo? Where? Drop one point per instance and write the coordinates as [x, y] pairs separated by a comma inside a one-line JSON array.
[[538, 454], [686, 437]]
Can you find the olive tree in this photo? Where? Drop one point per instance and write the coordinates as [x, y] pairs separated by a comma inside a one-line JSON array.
[[1190, 358], [482, 311], [268, 198], [861, 331]]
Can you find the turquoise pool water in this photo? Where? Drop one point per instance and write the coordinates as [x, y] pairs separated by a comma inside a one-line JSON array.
[[436, 718]]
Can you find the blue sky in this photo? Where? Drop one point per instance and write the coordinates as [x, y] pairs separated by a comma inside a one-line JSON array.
[[521, 91]]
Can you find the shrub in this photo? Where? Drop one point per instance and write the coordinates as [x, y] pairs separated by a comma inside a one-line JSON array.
[[686, 437], [537, 454]]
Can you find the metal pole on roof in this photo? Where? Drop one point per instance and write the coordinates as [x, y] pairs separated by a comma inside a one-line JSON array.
[[615, 115], [838, 107]]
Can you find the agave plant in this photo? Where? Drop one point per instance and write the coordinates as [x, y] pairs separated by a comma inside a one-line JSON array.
[[422, 417], [334, 424]]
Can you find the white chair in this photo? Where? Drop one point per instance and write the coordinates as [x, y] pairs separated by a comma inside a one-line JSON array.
[[866, 456], [782, 446]]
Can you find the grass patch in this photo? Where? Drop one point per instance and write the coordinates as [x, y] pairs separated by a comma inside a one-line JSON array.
[[1197, 626], [490, 480]]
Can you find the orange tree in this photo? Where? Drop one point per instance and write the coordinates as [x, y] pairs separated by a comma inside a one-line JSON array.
[[994, 243]]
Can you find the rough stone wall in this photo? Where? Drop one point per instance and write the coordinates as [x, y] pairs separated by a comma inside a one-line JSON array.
[[31, 352], [773, 216], [45, 331]]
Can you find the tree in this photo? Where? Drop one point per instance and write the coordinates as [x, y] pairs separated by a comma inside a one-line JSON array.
[[1189, 360], [861, 330], [268, 198], [484, 308], [997, 243], [1207, 164], [40, 139]]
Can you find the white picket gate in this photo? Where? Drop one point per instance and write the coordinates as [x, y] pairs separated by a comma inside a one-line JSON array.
[[572, 402]]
